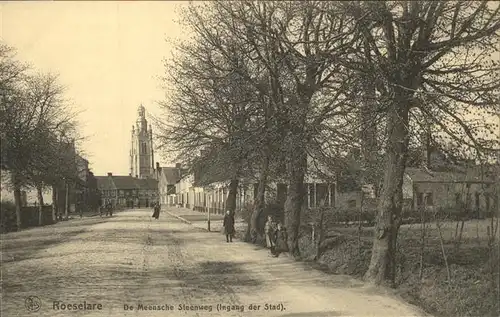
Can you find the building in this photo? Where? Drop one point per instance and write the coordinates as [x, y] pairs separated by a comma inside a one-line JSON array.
[[127, 191], [77, 193], [189, 193], [141, 150], [168, 177], [434, 189], [140, 187]]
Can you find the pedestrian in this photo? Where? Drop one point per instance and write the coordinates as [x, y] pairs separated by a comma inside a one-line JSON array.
[[109, 209], [281, 240], [156, 213], [229, 226], [100, 207], [269, 229]]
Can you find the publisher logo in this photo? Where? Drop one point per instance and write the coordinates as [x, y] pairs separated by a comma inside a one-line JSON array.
[[33, 303]]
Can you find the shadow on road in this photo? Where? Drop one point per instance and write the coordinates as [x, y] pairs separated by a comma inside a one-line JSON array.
[[23, 245], [205, 278]]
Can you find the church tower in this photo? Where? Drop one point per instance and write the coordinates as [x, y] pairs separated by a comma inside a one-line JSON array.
[[141, 152]]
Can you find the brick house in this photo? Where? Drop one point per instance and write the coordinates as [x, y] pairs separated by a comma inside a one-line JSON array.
[[167, 178], [451, 189], [128, 191], [191, 193]]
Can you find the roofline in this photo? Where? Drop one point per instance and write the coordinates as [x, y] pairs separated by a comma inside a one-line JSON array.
[[455, 182]]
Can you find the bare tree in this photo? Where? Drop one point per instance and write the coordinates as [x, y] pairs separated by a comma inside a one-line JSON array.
[[211, 106], [32, 110], [308, 39], [436, 52]]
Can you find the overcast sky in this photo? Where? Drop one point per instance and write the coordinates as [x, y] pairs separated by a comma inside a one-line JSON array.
[[107, 54]]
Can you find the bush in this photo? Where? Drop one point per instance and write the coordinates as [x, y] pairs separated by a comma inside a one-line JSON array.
[[29, 216], [7, 216]]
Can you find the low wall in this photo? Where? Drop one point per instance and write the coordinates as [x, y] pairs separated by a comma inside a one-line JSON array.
[[29, 217]]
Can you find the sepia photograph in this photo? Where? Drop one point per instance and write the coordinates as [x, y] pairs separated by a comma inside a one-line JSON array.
[[250, 158]]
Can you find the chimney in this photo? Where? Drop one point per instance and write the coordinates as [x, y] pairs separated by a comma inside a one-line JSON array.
[[110, 174], [178, 165], [157, 165], [129, 174]]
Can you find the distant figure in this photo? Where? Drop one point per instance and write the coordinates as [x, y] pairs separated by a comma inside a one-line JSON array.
[[109, 209], [99, 207], [281, 240], [229, 226], [156, 213], [269, 229]]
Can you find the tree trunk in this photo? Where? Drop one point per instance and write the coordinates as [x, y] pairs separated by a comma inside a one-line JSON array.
[[382, 266], [295, 197], [40, 203], [261, 192], [55, 201], [368, 133], [66, 202], [17, 199], [18, 202], [231, 196]]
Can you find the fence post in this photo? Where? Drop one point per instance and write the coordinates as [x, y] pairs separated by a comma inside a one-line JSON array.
[[208, 222], [313, 235]]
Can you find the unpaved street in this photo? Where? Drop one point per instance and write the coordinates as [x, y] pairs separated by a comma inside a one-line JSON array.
[[131, 261]]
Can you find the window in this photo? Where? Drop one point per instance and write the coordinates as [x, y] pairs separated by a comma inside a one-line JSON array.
[[312, 195], [420, 199], [477, 201], [143, 148], [351, 203], [332, 195], [322, 195], [429, 199]]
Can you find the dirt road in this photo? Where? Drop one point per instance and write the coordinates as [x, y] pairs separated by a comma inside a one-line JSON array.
[[133, 265]]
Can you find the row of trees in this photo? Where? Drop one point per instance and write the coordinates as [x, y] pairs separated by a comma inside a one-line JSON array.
[[38, 131], [268, 88]]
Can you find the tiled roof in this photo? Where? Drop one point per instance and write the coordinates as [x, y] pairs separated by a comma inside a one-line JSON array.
[[424, 176], [124, 182], [104, 183], [146, 183], [171, 175]]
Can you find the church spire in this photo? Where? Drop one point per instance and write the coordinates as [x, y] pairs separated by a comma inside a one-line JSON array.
[[141, 154], [142, 123]]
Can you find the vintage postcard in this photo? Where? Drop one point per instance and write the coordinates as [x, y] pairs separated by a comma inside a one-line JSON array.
[[250, 158]]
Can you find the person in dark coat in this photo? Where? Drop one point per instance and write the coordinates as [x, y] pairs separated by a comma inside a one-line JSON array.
[[281, 240], [156, 213], [269, 229], [229, 226], [109, 209], [100, 207]]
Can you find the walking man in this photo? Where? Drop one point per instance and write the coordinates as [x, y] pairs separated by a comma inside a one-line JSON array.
[[229, 226], [109, 209]]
